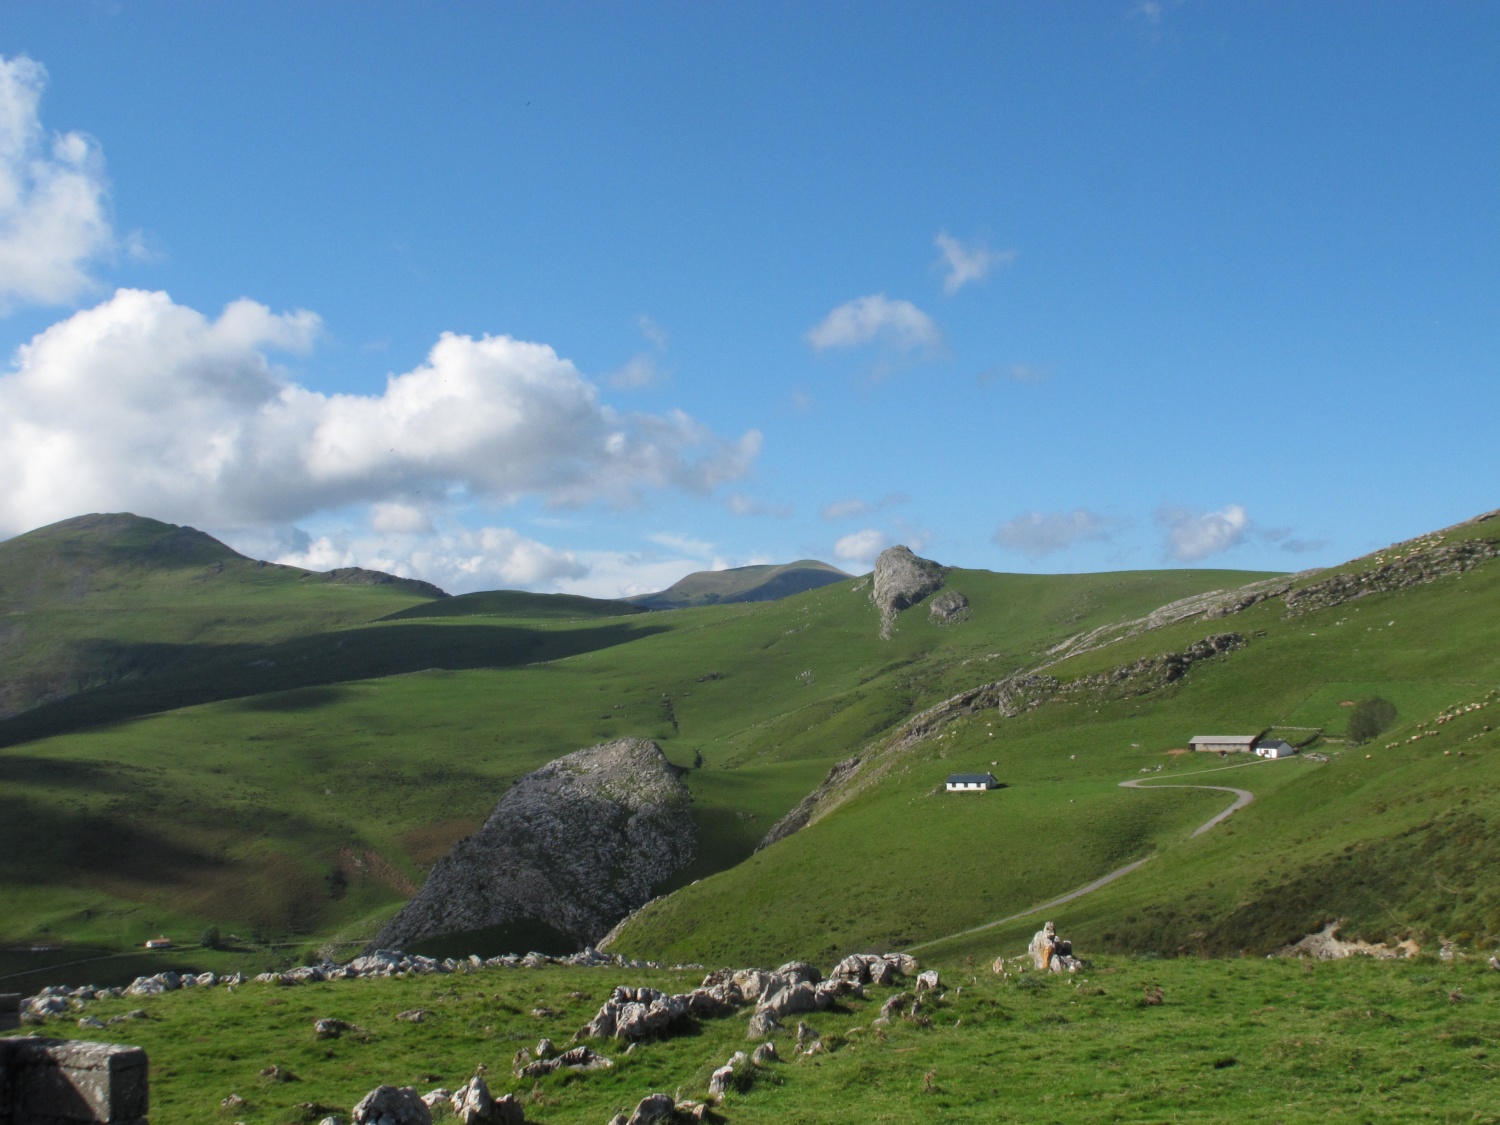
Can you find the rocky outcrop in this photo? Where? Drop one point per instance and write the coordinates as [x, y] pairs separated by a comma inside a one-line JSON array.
[[902, 579], [575, 846], [949, 608], [1399, 570], [632, 1014], [1326, 945]]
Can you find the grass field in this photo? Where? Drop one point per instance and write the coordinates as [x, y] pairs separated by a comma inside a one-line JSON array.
[[903, 862], [1230, 1041], [306, 815], [297, 789]]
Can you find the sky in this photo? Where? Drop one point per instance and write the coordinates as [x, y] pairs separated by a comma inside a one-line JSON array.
[[583, 298]]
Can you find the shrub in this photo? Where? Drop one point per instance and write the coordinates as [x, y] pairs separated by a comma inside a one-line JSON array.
[[210, 938], [1370, 717]]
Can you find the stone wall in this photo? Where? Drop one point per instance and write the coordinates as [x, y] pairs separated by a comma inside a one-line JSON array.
[[63, 1082]]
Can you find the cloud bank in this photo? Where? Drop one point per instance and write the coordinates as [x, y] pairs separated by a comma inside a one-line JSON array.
[[53, 215], [145, 405]]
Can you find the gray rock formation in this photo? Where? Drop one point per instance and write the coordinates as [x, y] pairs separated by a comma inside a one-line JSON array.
[[392, 1105], [575, 845], [948, 608], [901, 580]]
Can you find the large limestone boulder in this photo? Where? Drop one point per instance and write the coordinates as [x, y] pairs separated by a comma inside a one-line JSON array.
[[576, 845], [902, 579]]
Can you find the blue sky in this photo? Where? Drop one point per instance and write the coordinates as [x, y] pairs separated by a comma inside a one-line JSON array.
[[587, 297]]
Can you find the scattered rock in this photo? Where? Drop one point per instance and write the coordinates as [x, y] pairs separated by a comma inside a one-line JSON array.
[[902, 579], [762, 1024], [278, 1073], [1050, 953], [1326, 945], [733, 1074], [233, 1102], [928, 980], [392, 1105], [575, 845], [413, 1015], [331, 1028], [653, 1108], [473, 1104], [579, 1058], [433, 1097], [948, 608], [765, 1053]]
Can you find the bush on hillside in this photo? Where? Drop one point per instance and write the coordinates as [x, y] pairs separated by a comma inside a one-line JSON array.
[[211, 938], [1370, 717]]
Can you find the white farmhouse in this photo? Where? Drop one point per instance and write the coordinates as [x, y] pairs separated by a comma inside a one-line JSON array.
[[1274, 748], [972, 782]]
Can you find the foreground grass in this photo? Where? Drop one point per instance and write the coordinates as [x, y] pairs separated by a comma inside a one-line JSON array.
[[1231, 1040]]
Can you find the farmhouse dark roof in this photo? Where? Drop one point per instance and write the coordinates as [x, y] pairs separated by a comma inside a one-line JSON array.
[[969, 778]]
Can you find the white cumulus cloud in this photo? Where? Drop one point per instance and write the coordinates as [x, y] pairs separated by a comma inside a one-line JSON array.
[[897, 324], [966, 263], [1035, 534], [145, 405], [1192, 536], [459, 561], [862, 546], [53, 213]]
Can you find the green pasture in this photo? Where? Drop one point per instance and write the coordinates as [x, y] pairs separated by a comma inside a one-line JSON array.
[[1127, 1039]]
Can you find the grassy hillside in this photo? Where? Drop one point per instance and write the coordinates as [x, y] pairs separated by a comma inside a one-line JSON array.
[[109, 599], [313, 810], [1397, 836], [742, 584]]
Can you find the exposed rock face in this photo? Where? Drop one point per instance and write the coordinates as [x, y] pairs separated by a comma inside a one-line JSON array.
[[1398, 568], [949, 608], [901, 580], [576, 845]]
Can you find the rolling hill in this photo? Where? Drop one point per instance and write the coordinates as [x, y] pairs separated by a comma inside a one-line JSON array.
[[308, 811], [299, 787], [742, 584]]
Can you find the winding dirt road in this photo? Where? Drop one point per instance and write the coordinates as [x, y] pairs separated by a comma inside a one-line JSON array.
[[1242, 797]]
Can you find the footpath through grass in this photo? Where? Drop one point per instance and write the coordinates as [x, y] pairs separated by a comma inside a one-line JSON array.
[[1228, 1041]]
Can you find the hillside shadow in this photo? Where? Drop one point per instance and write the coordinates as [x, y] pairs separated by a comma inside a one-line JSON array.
[[197, 674]]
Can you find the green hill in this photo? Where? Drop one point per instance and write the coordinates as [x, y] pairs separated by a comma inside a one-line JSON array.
[[1396, 836], [105, 599], [297, 789], [306, 791], [742, 584], [517, 604]]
